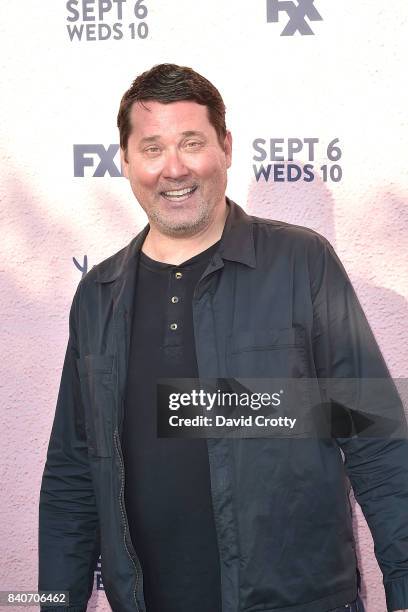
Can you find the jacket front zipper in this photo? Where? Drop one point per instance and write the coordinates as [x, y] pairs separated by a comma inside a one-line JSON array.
[[126, 533]]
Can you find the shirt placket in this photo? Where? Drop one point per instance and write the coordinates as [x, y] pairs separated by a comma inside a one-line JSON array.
[[173, 334]]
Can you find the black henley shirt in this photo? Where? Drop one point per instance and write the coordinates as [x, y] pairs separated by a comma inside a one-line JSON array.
[[167, 491]]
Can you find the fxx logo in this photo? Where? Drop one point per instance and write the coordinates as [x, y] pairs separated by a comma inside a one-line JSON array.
[[297, 12], [100, 160]]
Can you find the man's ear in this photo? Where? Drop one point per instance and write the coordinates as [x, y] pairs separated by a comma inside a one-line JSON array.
[[228, 148], [124, 164]]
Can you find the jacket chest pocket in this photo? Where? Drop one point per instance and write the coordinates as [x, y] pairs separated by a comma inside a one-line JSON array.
[[267, 353], [97, 387], [272, 360]]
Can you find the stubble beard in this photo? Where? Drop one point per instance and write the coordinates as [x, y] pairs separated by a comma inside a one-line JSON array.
[[187, 227]]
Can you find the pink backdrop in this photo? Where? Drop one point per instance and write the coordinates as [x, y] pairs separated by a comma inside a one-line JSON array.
[[343, 82]]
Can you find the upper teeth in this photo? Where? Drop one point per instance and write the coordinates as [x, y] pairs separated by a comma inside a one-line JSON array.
[[179, 192]]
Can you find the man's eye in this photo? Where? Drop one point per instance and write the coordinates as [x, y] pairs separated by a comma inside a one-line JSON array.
[[192, 144], [152, 150]]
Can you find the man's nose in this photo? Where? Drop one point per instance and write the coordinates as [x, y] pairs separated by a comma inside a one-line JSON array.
[[174, 165]]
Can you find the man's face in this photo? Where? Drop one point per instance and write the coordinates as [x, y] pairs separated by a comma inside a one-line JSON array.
[[176, 166]]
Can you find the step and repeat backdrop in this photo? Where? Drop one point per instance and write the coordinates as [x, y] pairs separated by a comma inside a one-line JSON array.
[[316, 102]]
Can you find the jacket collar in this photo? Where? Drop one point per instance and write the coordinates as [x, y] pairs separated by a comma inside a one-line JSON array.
[[237, 244]]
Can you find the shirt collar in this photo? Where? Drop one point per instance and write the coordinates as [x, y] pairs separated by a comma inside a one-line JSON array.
[[237, 244]]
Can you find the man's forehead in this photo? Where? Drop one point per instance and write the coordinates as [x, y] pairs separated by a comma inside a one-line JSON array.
[[151, 118]]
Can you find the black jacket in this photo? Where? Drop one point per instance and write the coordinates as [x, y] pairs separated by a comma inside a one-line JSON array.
[[274, 301]]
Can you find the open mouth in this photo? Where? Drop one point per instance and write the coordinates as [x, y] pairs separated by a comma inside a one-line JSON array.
[[175, 195]]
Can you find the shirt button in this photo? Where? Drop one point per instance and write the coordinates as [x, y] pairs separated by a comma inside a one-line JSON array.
[[173, 326], [174, 299], [178, 274]]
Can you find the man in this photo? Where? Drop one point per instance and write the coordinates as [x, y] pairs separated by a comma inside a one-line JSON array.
[[222, 524]]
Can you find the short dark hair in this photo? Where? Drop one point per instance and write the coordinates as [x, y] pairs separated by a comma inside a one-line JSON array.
[[168, 83]]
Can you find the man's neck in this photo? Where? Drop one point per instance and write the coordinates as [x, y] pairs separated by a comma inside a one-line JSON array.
[[172, 250]]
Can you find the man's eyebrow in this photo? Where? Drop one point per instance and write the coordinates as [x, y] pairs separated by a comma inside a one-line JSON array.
[[186, 134], [150, 139], [193, 133]]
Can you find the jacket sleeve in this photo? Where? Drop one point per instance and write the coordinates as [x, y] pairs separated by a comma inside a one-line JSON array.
[[68, 521], [344, 347]]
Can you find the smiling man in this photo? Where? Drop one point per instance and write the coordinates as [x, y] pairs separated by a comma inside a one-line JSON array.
[[178, 175], [205, 290], [187, 168]]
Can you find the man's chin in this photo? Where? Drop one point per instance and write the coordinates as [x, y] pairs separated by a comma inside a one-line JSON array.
[[180, 227], [185, 229]]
